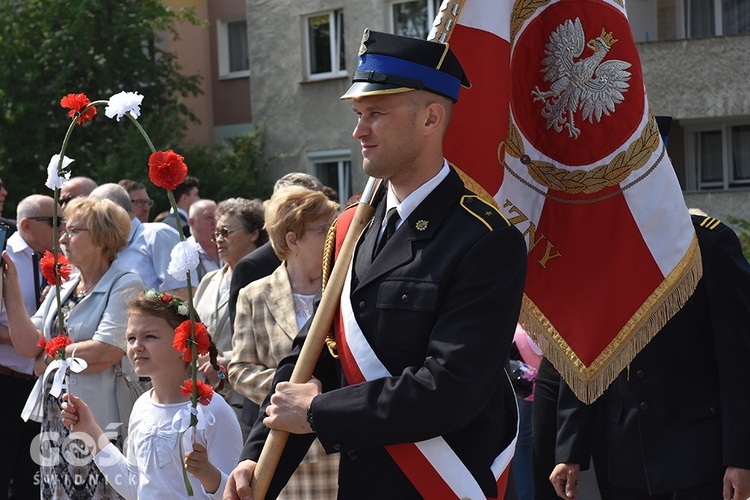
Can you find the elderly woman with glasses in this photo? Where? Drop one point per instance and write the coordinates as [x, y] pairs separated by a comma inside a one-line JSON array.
[[271, 311], [239, 231], [93, 315]]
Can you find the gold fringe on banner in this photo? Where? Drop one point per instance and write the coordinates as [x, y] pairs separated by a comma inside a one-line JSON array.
[[590, 382]]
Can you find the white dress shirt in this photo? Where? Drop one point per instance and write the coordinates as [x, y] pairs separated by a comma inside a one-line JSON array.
[[20, 253], [148, 253]]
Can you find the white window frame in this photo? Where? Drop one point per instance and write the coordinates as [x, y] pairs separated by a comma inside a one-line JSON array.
[[693, 182], [222, 47], [433, 7], [343, 157], [335, 19]]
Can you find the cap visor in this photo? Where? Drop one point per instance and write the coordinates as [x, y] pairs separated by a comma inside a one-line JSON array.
[[364, 89]]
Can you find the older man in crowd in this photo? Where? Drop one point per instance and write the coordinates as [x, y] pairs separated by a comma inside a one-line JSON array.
[[202, 221], [34, 237], [76, 187]]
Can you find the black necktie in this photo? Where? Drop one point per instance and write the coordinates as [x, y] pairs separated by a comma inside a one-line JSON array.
[[37, 284], [390, 228]]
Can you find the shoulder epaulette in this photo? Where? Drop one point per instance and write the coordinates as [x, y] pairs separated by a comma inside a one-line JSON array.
[[488, 214], [710, 223]]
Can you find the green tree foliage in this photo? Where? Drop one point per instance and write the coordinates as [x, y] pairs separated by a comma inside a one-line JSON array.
[[50, 48], [237, 168]]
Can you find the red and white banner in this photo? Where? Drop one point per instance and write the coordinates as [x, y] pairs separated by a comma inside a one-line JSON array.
[[557, 127]]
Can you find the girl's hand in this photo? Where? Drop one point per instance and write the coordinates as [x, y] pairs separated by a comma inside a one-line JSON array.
[[197, 464], [77, 417]]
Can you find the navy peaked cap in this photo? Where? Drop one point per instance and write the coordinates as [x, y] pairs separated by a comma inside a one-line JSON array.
[[390, 64]]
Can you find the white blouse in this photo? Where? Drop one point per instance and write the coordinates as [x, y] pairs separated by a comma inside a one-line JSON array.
[[153, 467]]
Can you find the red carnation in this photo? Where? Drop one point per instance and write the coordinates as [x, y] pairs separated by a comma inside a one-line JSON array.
[[75, 103], [167, 169], [181, 340], [55, 348], [166, 298], [48, 267], [205, 391]]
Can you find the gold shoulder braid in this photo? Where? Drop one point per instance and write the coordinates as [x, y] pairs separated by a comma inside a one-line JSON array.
[[710, 223], [328, 253]]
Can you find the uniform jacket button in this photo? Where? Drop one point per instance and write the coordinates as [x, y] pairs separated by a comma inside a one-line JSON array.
[[362, 306], [644, 405], [405, 299], [640, 373], [337, 447], [352, 455]]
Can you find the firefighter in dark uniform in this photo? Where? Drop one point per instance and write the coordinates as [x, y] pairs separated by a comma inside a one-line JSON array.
[[678, 418], [433, 297]]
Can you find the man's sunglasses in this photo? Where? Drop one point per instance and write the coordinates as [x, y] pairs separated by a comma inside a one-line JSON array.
[[48, 220]]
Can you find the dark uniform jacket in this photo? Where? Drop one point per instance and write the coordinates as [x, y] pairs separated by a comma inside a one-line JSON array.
[[681, 412], [439, 306]]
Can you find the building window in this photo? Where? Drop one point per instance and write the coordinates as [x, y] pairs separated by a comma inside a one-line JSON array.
[[715, 17], [334, 169], [720, 157], [326, 54], [413, 18], [233, 49]]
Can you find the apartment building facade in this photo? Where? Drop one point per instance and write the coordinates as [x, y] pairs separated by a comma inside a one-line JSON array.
[[695, 56]]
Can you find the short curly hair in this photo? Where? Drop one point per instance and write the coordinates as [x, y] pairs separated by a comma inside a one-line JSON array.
[[290, 209], [250, 212]]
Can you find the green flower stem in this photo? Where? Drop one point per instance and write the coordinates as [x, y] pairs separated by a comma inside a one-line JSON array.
[[191, 309], [188, 487], [55, 238], [191, 313], [140, 129]]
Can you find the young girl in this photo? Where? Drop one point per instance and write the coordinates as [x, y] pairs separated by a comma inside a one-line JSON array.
[[154, 467]]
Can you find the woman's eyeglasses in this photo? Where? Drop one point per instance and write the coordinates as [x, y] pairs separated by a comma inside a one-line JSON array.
[[223, 232], [72, 231]]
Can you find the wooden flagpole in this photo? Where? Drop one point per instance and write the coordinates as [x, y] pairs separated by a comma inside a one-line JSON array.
[[321, 324]]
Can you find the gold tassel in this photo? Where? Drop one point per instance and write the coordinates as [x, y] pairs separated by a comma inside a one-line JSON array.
[[589, 382]]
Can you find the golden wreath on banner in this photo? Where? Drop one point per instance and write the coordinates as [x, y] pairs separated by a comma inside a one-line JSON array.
[[585, 181]]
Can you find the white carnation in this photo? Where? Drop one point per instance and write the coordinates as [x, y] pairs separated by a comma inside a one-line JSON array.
[[183, 258], [121, 104]]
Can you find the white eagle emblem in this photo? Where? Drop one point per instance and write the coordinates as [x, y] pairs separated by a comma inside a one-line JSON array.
[[587, 84]]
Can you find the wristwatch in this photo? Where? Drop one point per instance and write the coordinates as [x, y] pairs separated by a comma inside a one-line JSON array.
[[310, 418]]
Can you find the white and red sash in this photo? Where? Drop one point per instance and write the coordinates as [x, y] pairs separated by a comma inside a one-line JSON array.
[[432, 466]]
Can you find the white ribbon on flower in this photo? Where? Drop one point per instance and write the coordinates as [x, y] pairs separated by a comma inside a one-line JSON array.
[[76, 365], [54, 179], [33, 409], [181, 419]]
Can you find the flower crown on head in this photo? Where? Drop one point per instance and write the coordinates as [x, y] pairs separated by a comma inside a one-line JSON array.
[[167, 298]]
